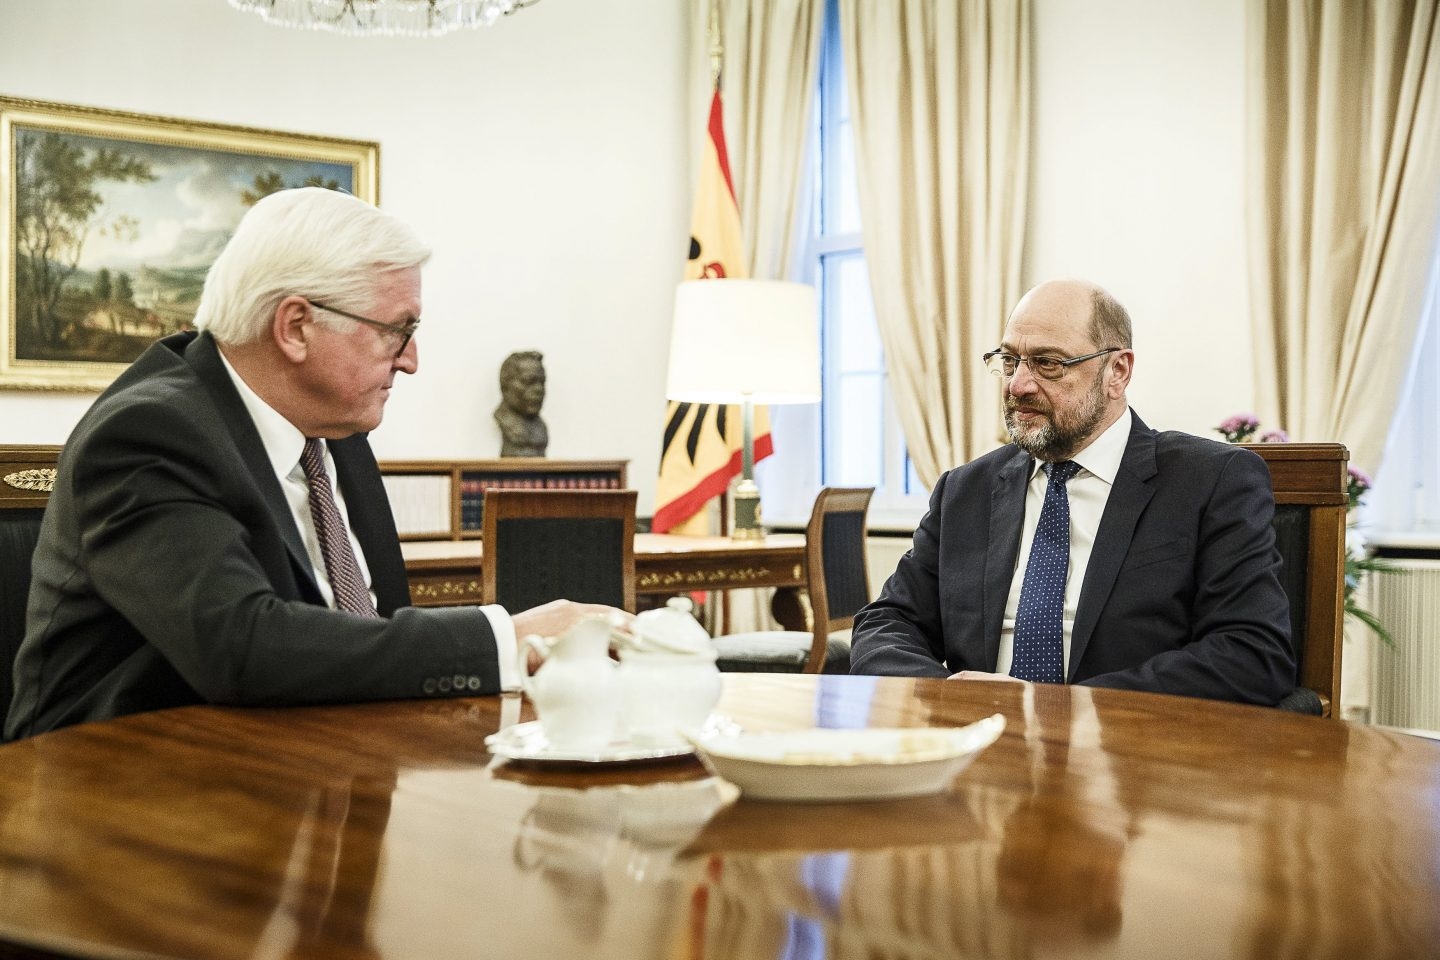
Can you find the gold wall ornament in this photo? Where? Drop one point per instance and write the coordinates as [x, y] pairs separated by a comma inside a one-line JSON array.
[[445, 590], [702, 578], [42, 479]]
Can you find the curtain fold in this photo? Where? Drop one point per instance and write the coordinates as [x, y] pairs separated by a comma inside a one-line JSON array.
[[940, 106], [769, 63], [1344, 209]]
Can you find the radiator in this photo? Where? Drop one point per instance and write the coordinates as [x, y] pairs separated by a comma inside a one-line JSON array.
[[1406, 677]]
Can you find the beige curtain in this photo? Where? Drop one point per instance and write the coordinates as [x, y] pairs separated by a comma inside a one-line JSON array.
[[940, 105], [769, 60], [1344, 208]]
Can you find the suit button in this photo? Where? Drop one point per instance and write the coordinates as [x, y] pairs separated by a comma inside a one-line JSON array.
[[473, 683], [444, 684], [429, 685], [459, 681]]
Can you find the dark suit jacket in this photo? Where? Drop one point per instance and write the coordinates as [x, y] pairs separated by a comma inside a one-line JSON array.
[[1181, 594], [170, 571]]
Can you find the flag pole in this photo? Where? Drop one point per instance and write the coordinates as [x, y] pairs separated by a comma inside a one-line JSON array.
[[717, 46]]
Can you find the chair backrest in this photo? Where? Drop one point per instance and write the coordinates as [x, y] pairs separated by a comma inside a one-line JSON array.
[[1310, 484], [27, 475], [543, 545], [836, 572]]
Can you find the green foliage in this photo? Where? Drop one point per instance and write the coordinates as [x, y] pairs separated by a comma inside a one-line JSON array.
[[124, 290], [1357, 565], [1241, 428], [56, 203], [103, 288], [265, 184]]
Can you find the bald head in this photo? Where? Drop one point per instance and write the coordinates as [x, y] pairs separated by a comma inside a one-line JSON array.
[[1080, 303]]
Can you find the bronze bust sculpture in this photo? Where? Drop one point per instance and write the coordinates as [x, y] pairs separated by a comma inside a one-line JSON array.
[[522, 391]]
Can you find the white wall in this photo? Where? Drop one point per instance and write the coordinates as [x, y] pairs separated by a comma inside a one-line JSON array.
[[544, 159], [547, 161], [1137, 182]]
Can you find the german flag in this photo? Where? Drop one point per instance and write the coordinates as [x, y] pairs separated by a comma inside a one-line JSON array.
[[701, 449]]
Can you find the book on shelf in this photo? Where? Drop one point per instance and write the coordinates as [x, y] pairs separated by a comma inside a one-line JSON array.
[[438, 499], [421, 504]]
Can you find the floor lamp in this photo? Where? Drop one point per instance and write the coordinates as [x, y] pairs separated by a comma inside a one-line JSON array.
[[745, 342]]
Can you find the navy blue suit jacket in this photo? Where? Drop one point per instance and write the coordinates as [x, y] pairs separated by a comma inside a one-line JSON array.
[[1181, 594]]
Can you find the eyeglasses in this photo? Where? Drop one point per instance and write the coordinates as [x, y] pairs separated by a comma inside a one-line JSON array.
[[402, 330], [1046, 368]]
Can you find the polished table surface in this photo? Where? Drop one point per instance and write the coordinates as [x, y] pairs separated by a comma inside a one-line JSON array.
[[445, 572], [1102, 824]]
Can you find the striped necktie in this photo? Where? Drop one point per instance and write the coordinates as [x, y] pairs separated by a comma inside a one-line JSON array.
[[351, 593]]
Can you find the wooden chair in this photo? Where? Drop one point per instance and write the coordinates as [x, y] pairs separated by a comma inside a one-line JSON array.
[[1310, 484], [543, 545], [27, 475], [838, 584]]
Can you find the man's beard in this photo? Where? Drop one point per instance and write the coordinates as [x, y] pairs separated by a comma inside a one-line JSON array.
[[1060, 435]]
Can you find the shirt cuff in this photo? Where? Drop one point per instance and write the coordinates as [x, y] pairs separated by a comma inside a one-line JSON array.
[[503, 628]]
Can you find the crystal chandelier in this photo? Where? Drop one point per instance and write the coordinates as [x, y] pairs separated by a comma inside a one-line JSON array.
[[414, 18]]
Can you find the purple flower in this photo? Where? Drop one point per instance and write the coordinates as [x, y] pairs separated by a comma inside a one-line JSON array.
[[1239, 423], [1238, 428], [1274, 436], [1357, 482]]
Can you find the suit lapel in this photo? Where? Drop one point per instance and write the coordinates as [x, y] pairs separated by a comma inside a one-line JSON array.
[[1007, 515], [204, 358], [1134, 486]]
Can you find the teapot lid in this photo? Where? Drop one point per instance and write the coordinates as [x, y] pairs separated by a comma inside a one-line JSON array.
[[671, 629]]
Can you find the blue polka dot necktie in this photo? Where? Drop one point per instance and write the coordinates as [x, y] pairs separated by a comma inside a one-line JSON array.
[[1039, 617]]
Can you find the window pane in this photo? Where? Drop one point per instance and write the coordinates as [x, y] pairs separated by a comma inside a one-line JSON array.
[[857, 426], [851, 314], [845, 210], [912, 478]]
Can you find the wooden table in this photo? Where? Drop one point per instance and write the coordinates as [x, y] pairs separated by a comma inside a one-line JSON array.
[[447, 572], [1102, 824]]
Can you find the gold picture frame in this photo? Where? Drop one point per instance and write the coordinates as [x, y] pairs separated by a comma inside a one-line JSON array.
[[111, 220]]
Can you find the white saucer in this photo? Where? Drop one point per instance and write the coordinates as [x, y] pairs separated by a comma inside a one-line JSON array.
[[525, 742]]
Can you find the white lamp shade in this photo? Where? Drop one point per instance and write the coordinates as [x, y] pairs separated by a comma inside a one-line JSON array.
[[736, 340]]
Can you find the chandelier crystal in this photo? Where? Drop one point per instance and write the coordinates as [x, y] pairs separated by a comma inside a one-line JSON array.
[[412, 18]]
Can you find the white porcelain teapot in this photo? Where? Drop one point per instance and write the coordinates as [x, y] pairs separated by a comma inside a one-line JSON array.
[[575, 691], [668, 678]]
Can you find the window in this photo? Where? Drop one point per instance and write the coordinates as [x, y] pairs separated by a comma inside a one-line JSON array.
[[1406, 499], [853, 438]]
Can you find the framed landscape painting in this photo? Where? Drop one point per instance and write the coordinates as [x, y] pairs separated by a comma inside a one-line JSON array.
[[111, 221]]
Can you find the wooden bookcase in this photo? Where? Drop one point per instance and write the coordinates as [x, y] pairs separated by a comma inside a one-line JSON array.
[[444, 499]]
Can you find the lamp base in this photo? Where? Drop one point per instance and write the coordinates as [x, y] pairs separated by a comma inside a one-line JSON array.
[[747, 512]]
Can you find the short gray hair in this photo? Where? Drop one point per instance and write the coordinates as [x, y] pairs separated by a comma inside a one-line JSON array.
[[310, 242], [1109, 321]]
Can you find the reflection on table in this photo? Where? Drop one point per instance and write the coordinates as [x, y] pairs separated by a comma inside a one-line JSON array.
[[1102, 824]]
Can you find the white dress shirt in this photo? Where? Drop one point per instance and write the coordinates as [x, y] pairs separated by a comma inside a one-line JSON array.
[[1089, 492], [283, 444]]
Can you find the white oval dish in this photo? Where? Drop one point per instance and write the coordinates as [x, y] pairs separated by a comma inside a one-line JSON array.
[[843, 765]]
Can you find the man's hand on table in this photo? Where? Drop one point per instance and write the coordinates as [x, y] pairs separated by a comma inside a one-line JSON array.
[[554, 618], [983, 675]]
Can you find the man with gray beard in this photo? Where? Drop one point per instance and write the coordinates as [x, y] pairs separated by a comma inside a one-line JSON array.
[[1091, 549]]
